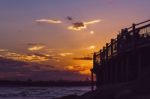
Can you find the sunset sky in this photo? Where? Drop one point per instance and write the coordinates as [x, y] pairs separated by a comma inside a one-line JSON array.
[[55, 39]]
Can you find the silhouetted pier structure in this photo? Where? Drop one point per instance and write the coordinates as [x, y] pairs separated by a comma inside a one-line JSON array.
[[124, 58]]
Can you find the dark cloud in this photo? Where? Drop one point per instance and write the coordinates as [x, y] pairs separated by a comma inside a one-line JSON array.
[[9, 65], [34, 44], [78, 24], [83, 58], [12, 70]]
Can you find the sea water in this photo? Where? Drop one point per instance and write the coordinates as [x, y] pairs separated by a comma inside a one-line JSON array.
[[40, 92]]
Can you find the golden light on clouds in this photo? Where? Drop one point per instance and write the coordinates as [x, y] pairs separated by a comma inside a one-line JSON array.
[[81, 68], [33, 58], [28, 58], [48, 21], [65, 54], [36, 47], [23, 57], [92, 22], [61, 57], [77, 28]]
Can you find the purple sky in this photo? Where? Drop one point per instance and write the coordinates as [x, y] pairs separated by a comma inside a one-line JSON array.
[[30, 47]]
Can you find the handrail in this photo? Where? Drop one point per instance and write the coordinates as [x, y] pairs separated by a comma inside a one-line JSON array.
[[139, 24], [142, 22], [120, 40]]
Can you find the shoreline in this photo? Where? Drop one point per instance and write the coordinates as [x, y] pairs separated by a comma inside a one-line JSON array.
[[139, 89], [44, 83]]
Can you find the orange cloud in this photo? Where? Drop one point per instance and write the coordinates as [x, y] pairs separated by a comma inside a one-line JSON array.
[[65, 54], [33, 58], [82, 69], [36, 48], [24, 57]]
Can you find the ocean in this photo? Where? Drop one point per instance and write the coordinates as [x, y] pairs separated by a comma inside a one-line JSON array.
[[40, 92]]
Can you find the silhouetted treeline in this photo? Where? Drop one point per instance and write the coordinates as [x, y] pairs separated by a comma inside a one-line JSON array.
[[31, 83]]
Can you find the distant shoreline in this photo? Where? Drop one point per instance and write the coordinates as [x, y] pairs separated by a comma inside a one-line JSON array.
[[7, 83]]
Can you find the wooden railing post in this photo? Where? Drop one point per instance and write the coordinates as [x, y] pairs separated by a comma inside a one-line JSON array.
[[133, 28], [92, 71], [107, 51], [139, 66], [94, 59], [112, 45], [92, 80]]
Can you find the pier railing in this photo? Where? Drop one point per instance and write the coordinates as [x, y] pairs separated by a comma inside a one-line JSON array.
[[138, 35]]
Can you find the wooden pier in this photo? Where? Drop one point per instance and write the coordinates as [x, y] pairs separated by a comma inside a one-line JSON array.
[[124, 58]]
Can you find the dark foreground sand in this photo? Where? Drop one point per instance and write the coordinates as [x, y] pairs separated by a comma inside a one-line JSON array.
[[139, 89]]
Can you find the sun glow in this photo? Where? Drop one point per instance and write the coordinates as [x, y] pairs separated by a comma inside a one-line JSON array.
[[92, 47], [91, 32], [82, 67]]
